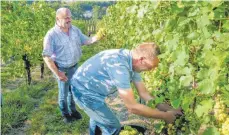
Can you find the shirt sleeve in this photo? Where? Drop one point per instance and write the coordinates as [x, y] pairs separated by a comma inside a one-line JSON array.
[[83, 38], [136, 77], [120, 74], [47, 46]]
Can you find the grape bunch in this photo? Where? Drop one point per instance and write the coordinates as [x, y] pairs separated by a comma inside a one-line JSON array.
[[179, 125], [129, 131], [221, 117], [225, 127], [171, 129], [101, 33], [219, 110]]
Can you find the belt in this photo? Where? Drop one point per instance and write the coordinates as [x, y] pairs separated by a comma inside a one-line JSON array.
[[72, 66], [65, 67]]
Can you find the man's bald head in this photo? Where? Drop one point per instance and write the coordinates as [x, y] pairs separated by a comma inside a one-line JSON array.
[[62, 11]]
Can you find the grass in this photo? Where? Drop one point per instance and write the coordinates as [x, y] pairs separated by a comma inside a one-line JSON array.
[[17, 105], [47, 119]]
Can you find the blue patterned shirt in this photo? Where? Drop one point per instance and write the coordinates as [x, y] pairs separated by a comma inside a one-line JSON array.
[[103, 74], [63, 49]]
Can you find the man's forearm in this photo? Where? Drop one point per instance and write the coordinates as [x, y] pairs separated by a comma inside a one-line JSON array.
[[51, 65], [146, 111], [91, 40], [163, 107], [146, 96], [143, 93]]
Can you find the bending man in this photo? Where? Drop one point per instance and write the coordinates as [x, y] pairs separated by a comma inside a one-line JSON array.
[[114, 70]]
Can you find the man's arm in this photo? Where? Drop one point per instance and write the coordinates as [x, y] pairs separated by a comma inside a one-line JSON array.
[[47, 52], [99, 35], [92, 40], [140, 86], [51, 65], [128, 97], [142, 91]]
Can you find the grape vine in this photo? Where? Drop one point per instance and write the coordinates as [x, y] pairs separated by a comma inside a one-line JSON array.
[[193, 69]]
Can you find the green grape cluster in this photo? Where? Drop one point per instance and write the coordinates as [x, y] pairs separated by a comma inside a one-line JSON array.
[[183, 124], [219, 110], [129, 131], [171, 129], [221, 117], [191, 122], [101, 33], [225, 127], [150, 81]]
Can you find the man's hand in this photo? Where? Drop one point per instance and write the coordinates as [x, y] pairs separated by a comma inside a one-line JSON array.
[[99, 35], [163, 107], [170, 117], [176, 111], [62, 76]]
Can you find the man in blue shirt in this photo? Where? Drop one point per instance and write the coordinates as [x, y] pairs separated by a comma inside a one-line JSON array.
[[62, 51], [114, 70]]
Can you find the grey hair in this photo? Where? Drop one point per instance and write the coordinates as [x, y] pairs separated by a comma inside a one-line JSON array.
[[61, 10], [148, 49]]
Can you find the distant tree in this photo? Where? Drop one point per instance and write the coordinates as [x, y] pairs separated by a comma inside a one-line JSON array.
[[95, 11], [77, 10]]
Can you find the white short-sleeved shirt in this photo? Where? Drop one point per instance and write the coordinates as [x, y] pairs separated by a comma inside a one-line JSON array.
[[63, 49]]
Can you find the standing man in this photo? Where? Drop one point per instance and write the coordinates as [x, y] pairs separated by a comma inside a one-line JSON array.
[[61, 52], [114, 70]]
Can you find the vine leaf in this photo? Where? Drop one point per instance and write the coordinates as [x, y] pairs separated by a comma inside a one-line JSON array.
[[211, 131], [206, 86], [204, 107]]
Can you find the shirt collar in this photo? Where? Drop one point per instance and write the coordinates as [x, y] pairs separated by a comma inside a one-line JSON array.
[[59, 29]]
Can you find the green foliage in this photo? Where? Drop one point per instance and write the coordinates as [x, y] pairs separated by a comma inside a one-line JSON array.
[[89, 51], [76, 10], [79, 8], [11, 70], [204, 107], [193, 38], [80, 24], [23, 29], [158, 127], [18, 105], [211, 131]]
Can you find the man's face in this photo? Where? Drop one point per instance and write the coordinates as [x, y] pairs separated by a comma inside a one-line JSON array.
[[64, 19], [145, 64]]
